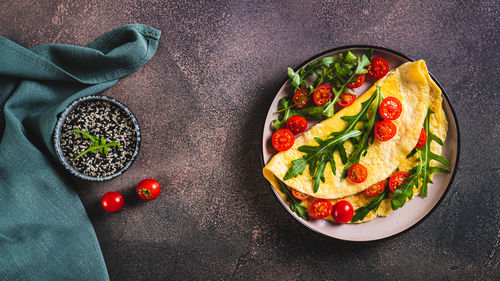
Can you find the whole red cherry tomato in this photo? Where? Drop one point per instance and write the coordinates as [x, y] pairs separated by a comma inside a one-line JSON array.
[[342, 211], [112, 201], [148, 189]]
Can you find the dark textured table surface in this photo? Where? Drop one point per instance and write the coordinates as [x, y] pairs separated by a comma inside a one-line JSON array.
[[201, 103]]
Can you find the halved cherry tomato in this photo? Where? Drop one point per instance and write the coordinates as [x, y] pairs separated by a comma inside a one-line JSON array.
[[320, 208], [376, 189], [301, 100], [422, 139], [346, 99], [385, 130], [357, 173], [299, 195], [283, 139], [390, 108], [342, 211], [297, 124], [378, 68], [323, 94], [359, 79], [397, 179]]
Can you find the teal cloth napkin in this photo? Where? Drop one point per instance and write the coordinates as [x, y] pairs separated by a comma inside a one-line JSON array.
[[45, 233]]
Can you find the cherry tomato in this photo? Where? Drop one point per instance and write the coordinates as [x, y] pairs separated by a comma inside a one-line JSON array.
[[299, 195], [297, 124], [397, 179], [346, 99], [357, 173], [378, 68], [385, 130], [320, 208], [342, 211], [390, 108], [422, 139], [323, 94], [301, 100], [282, 139], [376, 189], [359, 79], [148, 189], [112, 201]]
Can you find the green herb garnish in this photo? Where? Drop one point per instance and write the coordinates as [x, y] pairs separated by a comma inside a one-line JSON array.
[[373, 205], [422, 170], [317, 157], [295, 205], [338, 71], [97, 145]]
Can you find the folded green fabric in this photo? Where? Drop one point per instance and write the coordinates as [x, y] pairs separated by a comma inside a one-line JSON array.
[[45, 233]]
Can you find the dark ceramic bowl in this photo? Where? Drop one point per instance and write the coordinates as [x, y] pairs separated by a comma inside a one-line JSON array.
[[58, 131]]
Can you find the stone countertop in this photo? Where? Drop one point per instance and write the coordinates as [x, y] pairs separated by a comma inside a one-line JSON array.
[[201, 102]]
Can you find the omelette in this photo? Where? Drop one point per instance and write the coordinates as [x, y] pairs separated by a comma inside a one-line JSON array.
[[411, 84]]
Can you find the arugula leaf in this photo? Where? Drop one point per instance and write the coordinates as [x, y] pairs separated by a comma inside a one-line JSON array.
[[283, 103], [97, 145], [373, 205], [368, 124], [429, 155], [423, 170], [318, 156], [295, 205]]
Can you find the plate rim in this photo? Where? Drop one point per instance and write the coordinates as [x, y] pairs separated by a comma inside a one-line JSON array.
[[452, 178]]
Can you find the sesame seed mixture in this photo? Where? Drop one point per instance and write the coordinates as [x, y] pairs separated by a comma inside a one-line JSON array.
[[99, 118]]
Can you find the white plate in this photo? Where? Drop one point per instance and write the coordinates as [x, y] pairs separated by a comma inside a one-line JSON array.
[[414, 211]]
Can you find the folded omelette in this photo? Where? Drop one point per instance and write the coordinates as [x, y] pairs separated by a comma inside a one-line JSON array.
[[411, 84]]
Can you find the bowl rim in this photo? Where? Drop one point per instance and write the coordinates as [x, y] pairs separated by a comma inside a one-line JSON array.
[[58, 130]]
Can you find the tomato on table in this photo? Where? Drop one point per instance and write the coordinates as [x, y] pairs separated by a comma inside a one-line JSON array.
[[385, 130], [376, 189], [323, 94], [390, 108], [112, 201], [297, 124], [320, 208], [359, 79], [357, 173], [342, 211], [346, 99], [378, 68], [422, 139], [299, 195], [148, 189], [397, 179], [282, 139], [301, 99]]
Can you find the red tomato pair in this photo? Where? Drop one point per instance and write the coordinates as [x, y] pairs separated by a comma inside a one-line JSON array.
[[341, 212], [147, 189], [283, 139], [390, 109], [321, 96]]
